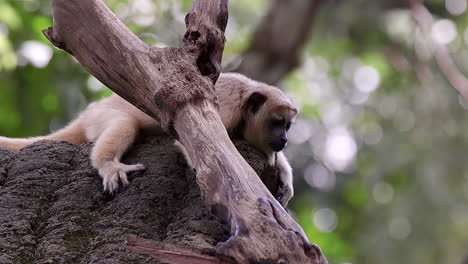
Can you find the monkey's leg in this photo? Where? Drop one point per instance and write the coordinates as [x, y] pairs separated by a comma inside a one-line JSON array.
[[108, 150], [286, 189]]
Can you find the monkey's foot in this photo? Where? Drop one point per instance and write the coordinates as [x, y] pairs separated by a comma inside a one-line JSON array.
[[112, 171]]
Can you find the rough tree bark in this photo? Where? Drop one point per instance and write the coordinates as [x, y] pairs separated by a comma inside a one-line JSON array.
[[175, 86], [278, 40], [53, 210]]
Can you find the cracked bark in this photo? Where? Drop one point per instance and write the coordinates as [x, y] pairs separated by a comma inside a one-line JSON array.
[[176, 86]]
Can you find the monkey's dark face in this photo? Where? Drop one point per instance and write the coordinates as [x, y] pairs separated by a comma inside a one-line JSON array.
[[278, 127], [267, 121]]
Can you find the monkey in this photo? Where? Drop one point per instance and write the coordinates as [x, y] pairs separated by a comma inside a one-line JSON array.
[[261, 115], [250, 110]]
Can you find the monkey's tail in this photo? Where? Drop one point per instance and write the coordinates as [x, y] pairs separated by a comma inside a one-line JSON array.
[[73, 133]]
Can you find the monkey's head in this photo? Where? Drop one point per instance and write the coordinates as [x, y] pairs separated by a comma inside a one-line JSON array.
[[254, 111], [268, 115]]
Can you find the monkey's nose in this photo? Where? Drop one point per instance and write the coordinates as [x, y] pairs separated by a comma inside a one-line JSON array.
[[284, 139]]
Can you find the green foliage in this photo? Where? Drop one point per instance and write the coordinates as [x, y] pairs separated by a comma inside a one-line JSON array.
[[355, 193]]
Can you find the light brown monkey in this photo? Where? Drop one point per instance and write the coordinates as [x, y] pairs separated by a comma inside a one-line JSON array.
[[250, 110]]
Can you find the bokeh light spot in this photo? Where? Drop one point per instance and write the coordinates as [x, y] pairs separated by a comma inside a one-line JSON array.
[[320, 177], [444, 31], [455, 7], [366, 79], [383, 193], [340, 149], [325, 219], [94, 85], [300, 132], [36, 53], [144, 12], [399, 228]]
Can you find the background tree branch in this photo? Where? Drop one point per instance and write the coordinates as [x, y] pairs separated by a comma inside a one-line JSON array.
[[444, 61], [278, 40]]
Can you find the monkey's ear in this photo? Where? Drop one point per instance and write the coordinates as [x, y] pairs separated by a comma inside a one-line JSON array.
[[255, 101]]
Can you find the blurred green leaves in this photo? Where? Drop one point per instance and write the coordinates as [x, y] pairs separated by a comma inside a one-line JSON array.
[[7, 54], [356, 193], [335, 246], [10, 16]]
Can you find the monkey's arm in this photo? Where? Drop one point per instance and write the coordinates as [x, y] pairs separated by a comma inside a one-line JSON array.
[[108, 149], [286, 189]]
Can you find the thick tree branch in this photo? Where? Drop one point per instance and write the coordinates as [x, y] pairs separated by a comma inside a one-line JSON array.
[[95, 36], [278, 40], [176, 86]]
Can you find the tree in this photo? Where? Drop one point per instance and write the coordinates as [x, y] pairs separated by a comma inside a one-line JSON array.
[[184, 77], [53, 209], [369, 79]]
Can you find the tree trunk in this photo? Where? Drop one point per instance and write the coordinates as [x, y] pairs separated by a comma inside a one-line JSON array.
[[176, 86], [53, 210]]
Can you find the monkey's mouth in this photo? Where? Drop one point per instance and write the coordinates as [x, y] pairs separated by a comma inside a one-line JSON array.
[[277, 146]]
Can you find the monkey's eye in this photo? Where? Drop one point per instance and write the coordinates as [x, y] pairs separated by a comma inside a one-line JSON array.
[[288, 125], [277, 122]]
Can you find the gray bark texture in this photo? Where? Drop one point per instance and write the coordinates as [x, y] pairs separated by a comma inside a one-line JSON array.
[[53, 210]]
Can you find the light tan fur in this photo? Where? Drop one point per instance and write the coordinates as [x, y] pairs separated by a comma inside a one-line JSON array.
[[233, 90], [72, 133], [113, 124]]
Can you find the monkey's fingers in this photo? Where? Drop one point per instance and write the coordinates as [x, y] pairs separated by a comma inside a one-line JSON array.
[[110, 182], [134, 167], [123, 177], [114, 171]]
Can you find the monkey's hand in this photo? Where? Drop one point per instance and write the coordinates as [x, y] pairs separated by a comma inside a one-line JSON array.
[[285, 189], [112, 171]]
